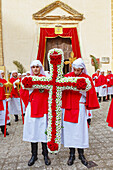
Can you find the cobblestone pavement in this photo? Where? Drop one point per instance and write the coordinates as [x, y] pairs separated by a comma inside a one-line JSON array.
[[14, 153]]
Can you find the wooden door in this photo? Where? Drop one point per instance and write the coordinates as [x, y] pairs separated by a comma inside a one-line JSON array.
[[62, 43]]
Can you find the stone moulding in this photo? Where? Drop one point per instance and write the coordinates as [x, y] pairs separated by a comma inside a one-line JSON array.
[[40, 15], [58, 18]]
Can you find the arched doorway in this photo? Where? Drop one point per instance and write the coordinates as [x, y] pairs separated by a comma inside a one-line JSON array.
[[62, 43]]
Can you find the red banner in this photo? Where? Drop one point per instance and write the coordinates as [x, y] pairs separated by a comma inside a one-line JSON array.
[[50, 33]]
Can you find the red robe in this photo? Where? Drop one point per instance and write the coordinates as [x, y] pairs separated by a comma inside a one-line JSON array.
[[2, 93], [102, 80], [110, 115], [111, 80], [95, 79], [93, 76], [70, 100], [14, 92], [38, 101], [108, 82]]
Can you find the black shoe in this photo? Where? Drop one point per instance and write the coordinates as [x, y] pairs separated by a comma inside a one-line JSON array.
[[71, 160], [16, 118], [32, 160], [107, 97], [99, 99], [45, 154], [47, 160], [9, 124], [82, 157], [23, 114], [7, 133], [71, 157], [97, 94], [89, 121], [34, 149], [83, 160], [104, 99], [2, 130]]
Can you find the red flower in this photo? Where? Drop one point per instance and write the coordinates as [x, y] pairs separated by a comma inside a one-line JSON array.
[[81, 84], [55, 58], [53, 122], [54, 135], [54, 128], [27, 82], [69, 84], [55, 52], [52, 146], [74, 84], [53, 113], [65, 84]]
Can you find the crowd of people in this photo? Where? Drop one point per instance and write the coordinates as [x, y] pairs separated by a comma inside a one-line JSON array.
[[75, 131], [103, 84]]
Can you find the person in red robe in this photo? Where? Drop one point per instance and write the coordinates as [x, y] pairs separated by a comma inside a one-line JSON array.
[[74, 104], [35, 125], [28, 73], [23, 75], [95, 80], [20, 76], [14, 103], [109, 78], [3, 104], [102, 86]]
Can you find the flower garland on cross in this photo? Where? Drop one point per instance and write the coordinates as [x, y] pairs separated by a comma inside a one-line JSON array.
[[55, 84]]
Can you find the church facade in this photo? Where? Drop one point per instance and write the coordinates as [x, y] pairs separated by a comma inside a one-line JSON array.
[[22, 21]]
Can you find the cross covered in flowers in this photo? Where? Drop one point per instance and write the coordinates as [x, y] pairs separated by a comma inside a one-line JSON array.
[[55, 84]]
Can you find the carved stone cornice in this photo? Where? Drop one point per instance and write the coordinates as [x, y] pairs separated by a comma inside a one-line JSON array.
[[59, 18], [40, 15]]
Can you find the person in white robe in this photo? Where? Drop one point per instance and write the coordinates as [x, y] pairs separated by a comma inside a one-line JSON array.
[[3, 111], [102, 86], [14, 103], [75, 135], [35, 127], [109, 78]]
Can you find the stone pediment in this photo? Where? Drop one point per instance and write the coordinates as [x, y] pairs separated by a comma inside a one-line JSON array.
[[72, 13]]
